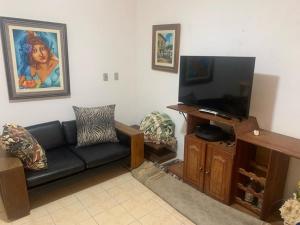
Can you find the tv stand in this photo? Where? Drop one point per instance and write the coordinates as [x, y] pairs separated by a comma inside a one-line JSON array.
[[215, 113], [208, 165], [224, 171]]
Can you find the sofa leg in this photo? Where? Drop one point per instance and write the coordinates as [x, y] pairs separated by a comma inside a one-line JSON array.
[[137, 150], [13, 188]]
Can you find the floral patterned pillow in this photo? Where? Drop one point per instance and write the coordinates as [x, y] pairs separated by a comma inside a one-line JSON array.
[[20, 143]]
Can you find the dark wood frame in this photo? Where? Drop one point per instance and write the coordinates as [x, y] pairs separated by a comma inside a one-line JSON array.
[[13, 188], [176, 28], [5, 22], [136, 143]]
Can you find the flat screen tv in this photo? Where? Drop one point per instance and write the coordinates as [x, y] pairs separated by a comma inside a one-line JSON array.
[[217, 83]]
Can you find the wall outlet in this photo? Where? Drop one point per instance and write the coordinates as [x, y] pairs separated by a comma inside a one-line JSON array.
[[105, 76], [116, 76]]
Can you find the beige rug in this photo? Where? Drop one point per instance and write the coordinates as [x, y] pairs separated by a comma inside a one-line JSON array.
[[195, 205]]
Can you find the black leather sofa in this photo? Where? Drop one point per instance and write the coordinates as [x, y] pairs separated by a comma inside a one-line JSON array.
[[64, 158]]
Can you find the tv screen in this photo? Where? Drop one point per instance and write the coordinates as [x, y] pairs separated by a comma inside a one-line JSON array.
[[221, 84]]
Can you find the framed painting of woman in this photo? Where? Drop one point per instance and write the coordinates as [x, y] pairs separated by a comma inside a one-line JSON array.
[[36, 58]]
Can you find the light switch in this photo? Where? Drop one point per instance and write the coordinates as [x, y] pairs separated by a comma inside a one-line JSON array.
[[116, 76], [105, 76]]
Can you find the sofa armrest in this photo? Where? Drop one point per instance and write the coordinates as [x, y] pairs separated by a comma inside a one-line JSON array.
[[125, 129], [13, 187], [136, 143]]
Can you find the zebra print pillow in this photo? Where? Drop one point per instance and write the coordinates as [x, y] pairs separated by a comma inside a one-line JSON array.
[[95, 125]]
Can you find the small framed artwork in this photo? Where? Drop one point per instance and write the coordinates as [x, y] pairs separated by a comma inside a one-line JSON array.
[[165, 47], [36, 58]]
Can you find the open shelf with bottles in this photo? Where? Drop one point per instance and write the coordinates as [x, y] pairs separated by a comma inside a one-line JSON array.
[[250, 190], [259, 176]]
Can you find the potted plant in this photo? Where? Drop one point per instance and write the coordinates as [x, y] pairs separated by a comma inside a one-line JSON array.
[[290, 211]]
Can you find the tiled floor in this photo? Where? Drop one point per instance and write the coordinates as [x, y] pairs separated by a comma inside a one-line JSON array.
[[116, 201]]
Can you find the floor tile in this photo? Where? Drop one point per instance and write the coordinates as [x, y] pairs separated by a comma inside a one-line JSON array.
[[53, 206], [69, 216], [95, 209], [118, 201], [103, 218], [182, 218], [89, 222], [135, 223], [39, 212], [69, 200]]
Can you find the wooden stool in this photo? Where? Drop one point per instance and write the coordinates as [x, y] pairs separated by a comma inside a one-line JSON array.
[[157, 152]]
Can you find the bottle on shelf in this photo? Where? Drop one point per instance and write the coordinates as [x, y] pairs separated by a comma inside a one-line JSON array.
[[255, 201], [260, 202], [256, 187], [249, 197]]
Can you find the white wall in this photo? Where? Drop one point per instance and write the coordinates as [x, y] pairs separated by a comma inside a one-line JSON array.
[[101, 38], [269, 30], [115, 35]]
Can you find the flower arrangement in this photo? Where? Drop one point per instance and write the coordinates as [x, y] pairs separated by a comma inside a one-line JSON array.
[[290, 211]]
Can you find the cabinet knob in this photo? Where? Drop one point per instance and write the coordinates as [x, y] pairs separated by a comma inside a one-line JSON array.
[[201, 169], [206, 172]]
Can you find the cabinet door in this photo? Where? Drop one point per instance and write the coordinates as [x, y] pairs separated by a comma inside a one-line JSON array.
[[218, 170], [194, 160]]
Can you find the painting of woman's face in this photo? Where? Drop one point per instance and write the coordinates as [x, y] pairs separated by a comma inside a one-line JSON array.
[[36, 58], [40, 59], [40, 53]]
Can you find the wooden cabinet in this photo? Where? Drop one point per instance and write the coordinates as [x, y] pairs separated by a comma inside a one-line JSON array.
[[195, 151], [262, 159], [257, 160], [218, 170], [208, 166]]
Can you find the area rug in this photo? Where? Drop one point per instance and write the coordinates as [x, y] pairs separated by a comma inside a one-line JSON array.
[[199, 208]]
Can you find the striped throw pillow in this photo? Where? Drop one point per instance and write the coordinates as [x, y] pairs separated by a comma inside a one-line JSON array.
[[95, 125]]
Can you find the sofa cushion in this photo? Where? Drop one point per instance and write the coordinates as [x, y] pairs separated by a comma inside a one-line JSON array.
[[70, 131], [49, 135], [20, 143], [61, 162], [96, 155], [95, 125]]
